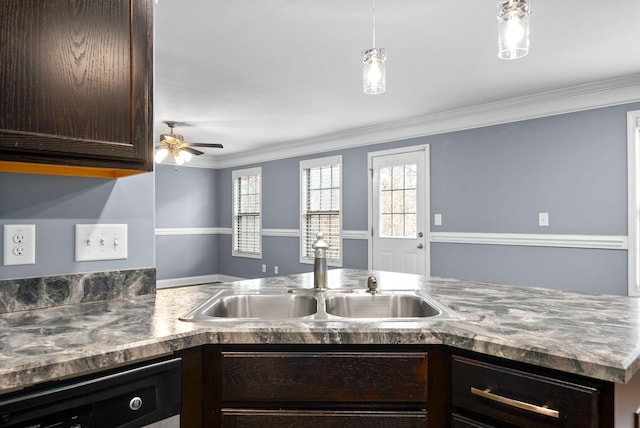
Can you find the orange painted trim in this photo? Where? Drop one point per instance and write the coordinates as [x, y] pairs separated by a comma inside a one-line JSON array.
[[73, 171]]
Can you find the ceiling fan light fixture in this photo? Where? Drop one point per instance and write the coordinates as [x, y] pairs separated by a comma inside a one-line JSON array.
[[374, 76], [184, 156], [513, 29], [161, 154]]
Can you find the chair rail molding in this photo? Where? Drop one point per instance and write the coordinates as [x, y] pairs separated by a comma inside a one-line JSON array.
[[611, 242]]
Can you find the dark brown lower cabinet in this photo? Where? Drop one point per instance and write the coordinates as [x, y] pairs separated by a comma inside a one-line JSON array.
[[238, 418], [318, 387], [459, 421], [357, 386], [502, 394]]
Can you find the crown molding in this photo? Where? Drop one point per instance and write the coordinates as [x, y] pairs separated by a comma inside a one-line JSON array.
[[588, 96]]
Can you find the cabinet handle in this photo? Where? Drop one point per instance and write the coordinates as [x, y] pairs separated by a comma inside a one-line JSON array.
[[541, 410]]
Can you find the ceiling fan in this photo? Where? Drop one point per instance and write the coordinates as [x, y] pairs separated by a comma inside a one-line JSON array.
[[181, 150]]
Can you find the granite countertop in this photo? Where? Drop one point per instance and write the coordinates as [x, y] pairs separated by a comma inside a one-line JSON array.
[[593, 335]]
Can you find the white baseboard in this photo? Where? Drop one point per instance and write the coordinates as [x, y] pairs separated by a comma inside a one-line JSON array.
[[193, 280]]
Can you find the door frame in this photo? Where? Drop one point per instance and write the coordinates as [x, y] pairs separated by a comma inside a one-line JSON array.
[[425, 149]]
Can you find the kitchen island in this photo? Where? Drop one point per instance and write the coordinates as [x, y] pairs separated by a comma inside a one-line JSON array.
[[593, 336]]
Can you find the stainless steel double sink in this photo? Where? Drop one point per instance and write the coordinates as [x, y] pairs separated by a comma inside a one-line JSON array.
[[310, 304]]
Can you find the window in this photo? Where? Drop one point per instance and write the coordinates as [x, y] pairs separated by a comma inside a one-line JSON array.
[[320, 207], [398, 194], [247, 207]]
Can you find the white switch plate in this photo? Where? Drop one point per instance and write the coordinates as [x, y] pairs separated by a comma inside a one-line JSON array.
[[101, 242], [275, 270], [437, 219], [19, 244], [543, 219]]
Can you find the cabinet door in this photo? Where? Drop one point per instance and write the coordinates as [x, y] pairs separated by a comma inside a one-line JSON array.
[[520, 398], [75, 79], [338, 377], [320, 419], [459, 421]]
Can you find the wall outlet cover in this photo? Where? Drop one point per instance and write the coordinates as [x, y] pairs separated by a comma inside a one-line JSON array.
[[19, 244]]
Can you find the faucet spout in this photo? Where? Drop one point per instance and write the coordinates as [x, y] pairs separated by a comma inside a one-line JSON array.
[[320, 269]]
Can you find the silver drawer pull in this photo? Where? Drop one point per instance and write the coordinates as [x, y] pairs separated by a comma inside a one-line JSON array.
[[541, 410]]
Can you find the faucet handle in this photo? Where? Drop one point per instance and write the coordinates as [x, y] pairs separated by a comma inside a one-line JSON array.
[[372, 285]]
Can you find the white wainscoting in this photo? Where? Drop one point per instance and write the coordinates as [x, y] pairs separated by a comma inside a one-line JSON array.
[[604, 242]]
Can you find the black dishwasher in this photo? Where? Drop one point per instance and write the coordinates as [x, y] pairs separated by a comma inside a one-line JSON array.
[[131, 397]]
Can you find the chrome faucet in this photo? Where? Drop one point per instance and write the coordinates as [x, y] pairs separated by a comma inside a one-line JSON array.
[[320, 248], [372, 285]]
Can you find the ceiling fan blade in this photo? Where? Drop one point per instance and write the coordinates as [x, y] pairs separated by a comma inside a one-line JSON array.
[[192, 151], [214, 145]]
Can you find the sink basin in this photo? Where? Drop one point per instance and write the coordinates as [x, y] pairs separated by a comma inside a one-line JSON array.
[[379, 306], [259, 306], [313, 306]]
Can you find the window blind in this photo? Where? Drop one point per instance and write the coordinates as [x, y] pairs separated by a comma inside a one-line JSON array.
[[247, 198], [321, 206]]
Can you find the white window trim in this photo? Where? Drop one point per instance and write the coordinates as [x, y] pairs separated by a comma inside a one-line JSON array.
[[315, 163], [234, 175], [633, 148]]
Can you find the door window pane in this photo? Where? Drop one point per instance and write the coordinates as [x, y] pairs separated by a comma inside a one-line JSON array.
[[398, 201]]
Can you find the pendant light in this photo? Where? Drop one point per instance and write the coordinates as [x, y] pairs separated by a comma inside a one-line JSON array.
[[513, 29], [374, 79]]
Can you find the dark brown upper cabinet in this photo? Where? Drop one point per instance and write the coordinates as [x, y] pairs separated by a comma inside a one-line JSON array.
[[76, 87]]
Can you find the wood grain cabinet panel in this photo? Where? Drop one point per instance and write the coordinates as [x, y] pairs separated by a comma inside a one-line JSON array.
[[520, 398], [76, 85], [317, 387], [327, 377], [313, 419]]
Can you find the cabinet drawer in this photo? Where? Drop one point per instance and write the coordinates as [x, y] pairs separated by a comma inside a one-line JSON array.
[[239, 418], [324, 377], [521, 398]]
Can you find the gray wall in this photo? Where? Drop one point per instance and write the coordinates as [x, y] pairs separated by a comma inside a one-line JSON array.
[[493, 179], [186, 197], [55, 204]]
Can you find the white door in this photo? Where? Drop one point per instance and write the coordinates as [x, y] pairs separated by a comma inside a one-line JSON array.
[[398, 210]]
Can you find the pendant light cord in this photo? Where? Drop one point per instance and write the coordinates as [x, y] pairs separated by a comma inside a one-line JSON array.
[[374, 23]]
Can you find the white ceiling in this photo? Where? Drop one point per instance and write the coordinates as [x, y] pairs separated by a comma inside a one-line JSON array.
[[257, 75]]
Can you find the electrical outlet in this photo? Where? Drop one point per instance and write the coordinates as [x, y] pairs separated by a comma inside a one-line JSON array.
[[264, 268], [101, 242], [275, 270], [543, 219], [19, 244]]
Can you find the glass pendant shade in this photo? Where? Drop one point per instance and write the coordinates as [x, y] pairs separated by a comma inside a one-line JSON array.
[[374, 80], [513, 29]]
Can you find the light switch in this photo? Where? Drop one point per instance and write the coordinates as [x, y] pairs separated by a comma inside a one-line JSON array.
[[101, 242], [543, 219], [437, 219]]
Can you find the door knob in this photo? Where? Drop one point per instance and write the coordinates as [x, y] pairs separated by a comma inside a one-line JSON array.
[[420, 246], [420, 234]]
